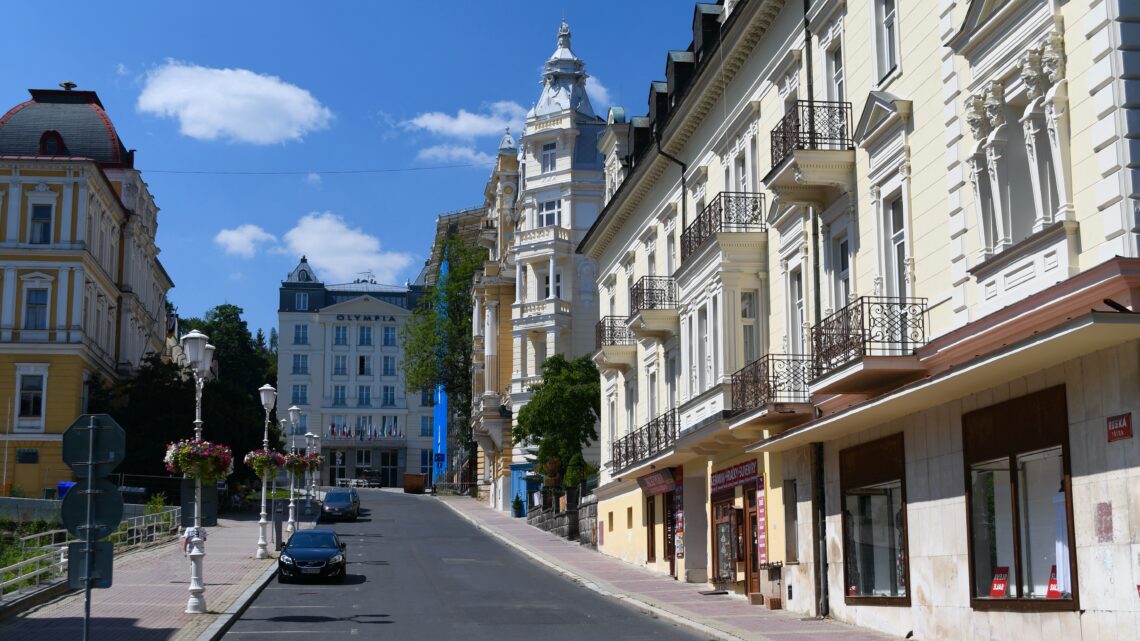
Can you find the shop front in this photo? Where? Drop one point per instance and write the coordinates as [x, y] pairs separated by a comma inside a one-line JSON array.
[[739, 527], [663, 491]]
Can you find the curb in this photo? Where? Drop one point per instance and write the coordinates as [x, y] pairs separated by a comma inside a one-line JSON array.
[[714, 633], [226, 619]]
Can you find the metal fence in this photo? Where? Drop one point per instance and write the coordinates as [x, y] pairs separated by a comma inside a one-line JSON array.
[[612, 330], [652, 292], [730, 211], [772, 378], [812, 124], [870, 326], [649, 439]]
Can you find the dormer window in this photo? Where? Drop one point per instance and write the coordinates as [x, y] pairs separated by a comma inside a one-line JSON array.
[[51, 144]]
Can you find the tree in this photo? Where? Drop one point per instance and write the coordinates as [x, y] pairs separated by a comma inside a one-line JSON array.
[[561, 417], [437, 338]]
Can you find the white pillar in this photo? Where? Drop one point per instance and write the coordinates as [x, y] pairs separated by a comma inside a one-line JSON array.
[[15, 195], [8, 306], [76, 305], [491, 348], [81, 216], [65, 215], [61, 306], [550, 277], [475, 313], [518, 282]]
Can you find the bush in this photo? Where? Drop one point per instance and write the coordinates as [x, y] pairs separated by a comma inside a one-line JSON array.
[[575, 472], [155, 504]]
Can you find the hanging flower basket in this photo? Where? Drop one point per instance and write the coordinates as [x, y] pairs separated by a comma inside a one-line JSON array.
[[199, 459], [297, 464], [314, 461], [264, 462]]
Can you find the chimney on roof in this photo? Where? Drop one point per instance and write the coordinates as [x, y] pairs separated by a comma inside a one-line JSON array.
[[68, 85]]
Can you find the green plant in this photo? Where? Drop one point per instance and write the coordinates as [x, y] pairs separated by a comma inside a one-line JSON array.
[[199, 459], [517, 505], [264, 462], [575, 472], [155, 504], [473, 492]]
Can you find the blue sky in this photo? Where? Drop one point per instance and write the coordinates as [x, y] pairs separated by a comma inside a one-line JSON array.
[[294, 89]]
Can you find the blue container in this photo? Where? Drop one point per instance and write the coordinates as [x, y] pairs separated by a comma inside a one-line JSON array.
[[62, 487]]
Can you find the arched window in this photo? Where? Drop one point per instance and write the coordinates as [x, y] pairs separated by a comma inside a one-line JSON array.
[[51, 144]]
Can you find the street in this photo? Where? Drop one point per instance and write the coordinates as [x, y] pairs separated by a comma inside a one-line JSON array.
[[418, 571]]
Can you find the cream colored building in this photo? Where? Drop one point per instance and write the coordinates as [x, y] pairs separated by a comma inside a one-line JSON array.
[[83, 293], [936, 412]]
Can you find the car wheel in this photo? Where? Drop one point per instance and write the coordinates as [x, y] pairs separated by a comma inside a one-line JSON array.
[[281, 578]]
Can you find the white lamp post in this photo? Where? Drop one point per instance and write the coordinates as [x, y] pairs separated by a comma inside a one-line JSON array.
[[294, 420], [268, 399], [308, 476], [199, 354]]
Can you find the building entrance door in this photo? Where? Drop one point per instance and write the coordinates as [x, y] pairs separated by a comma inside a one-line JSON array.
[[389, 467], [752, 536], [336, 467]]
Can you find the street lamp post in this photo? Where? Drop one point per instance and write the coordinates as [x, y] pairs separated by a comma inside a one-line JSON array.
[[308, 475], [294, 420], [200, 354], [268, 399]]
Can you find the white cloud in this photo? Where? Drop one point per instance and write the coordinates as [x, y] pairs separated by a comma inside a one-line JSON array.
[[599, 94], [466, 125], [233, 104], [244, 240], [122, 70], [313, 178], [339, 252], [451, 153]]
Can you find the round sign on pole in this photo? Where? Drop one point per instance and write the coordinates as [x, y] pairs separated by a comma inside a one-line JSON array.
[[106, 509], [109, 446]]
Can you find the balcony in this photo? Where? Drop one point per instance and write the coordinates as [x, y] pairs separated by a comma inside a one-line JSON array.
[[617, 346], [653, 307], [645, 442], [543, 240], [488, 234], [869, 344], [730, 211], [773, 390], [813, 156], [372, 436], [541, 314]]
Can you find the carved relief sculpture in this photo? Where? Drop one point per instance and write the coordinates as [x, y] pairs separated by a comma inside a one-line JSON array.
[[1057, 121], [979, 176], [996, 165], [1036, 147]]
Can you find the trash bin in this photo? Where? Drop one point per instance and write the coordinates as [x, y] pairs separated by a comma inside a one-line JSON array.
[[414, 483], [62, 487]]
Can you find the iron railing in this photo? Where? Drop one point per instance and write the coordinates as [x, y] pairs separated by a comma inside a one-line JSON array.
[[730, 211], [813, 124], [613, 330], [652, 292], [646, 441], [869, 326], [772, 378]]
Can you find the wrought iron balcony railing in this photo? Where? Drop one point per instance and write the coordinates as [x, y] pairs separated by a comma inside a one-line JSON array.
[[730, 211], [613, 330], [869, 326], [652, 292], [648, 440], [772, 378], [813, 124]]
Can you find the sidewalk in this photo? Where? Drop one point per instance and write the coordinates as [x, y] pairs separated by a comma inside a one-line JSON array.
[[150, 589], [721, 617]]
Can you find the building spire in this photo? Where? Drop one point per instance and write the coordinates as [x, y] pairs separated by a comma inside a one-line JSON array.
[[563, 80]]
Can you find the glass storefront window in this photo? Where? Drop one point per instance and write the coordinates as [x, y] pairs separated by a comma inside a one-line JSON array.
[[1044, 525], [992, 526], [874, 536]]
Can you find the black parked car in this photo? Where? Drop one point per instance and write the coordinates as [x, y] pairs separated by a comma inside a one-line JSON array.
[[340, 504], [315, 554]]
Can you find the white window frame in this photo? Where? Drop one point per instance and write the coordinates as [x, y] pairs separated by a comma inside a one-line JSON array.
[[841, 277], [301, 334], [364, 395], [893, 240], [340, 365], [388, 396], [301, 301], [389, 365], [389, 331], [550, 213], [41, 322], [885, 29], [750, 326], [364, 336], [340, 335], [30, 423], [425, 422], [836, 73], [796, 311], [300, 364], [364, 365], [340, 395], [300, 394], [557, 285], [32, 226], [549, 157]]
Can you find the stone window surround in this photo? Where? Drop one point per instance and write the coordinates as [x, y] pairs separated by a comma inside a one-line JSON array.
[[33, 424]]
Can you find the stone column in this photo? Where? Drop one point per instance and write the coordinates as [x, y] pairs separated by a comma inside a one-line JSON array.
[[15, 196], [518, 282], [8, 307], [552, 294], [76, 305], [61, 306], [490, 348]]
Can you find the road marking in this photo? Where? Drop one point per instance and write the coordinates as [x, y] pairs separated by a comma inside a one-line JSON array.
[[288, 606], [271, 632]]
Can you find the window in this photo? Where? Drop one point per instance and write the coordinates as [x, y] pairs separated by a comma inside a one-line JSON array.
[[300, 395], [29, 455], [300, 334], [300, 363], [1019, 504], [796, 312], [363, 458], [549, 157], [896, 241], [389, 366], [748, 326], [364, 395], [302, 302], [791, 523], [610, 521], [837, 89], [425, 461], [339, 395], [51, 144], [886, 37], [670, 254], [389, 396], [550, 213], [557, 286], [364, 366], [340, 335], [389, 336], [629, 518], [41, 225], [425, 426], [338, 426], [365, 336], [31, 396], [340, 365], [874, 523], [703, 372], [426, 398], [35, 308]]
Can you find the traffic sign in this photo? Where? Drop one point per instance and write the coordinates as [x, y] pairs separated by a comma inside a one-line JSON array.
[[106, 509], [106, 452], [102, 562]]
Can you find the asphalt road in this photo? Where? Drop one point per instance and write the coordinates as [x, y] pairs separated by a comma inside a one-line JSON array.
[[417, 571]]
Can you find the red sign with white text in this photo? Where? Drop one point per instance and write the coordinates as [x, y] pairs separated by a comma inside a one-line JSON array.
[[761, 523], [1119, 427], [1053, 592], [1000, 582]]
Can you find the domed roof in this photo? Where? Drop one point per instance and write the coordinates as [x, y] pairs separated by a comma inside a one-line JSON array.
[[62, 123]]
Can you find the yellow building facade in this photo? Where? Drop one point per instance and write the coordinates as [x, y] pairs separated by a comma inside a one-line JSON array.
[[82, 297]]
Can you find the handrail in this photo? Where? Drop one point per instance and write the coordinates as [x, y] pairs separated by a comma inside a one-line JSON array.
[[812, 124], [869, 326], [730, 211], [612, 330], [648, 440], [772, 378], [652, 292]]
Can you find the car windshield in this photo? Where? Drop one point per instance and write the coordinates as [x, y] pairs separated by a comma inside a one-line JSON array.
[[337, 497], [313, 540]]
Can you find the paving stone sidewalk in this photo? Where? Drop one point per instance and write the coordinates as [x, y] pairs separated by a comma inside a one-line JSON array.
[[148, 596], [720, 616]]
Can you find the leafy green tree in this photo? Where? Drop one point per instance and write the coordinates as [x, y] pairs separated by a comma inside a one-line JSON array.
[[437, 338], [561, 417]]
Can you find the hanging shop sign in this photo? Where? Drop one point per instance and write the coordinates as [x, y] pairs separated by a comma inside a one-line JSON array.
[[761, 523], [1119, 427], [678, 514], [729, 478], [658, 482]]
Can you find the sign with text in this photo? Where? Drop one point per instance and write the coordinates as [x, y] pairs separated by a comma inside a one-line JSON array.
[[1119, 427], [761, 524], [1053, 592], [1000, 582], [658, 482], [729, 478]]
